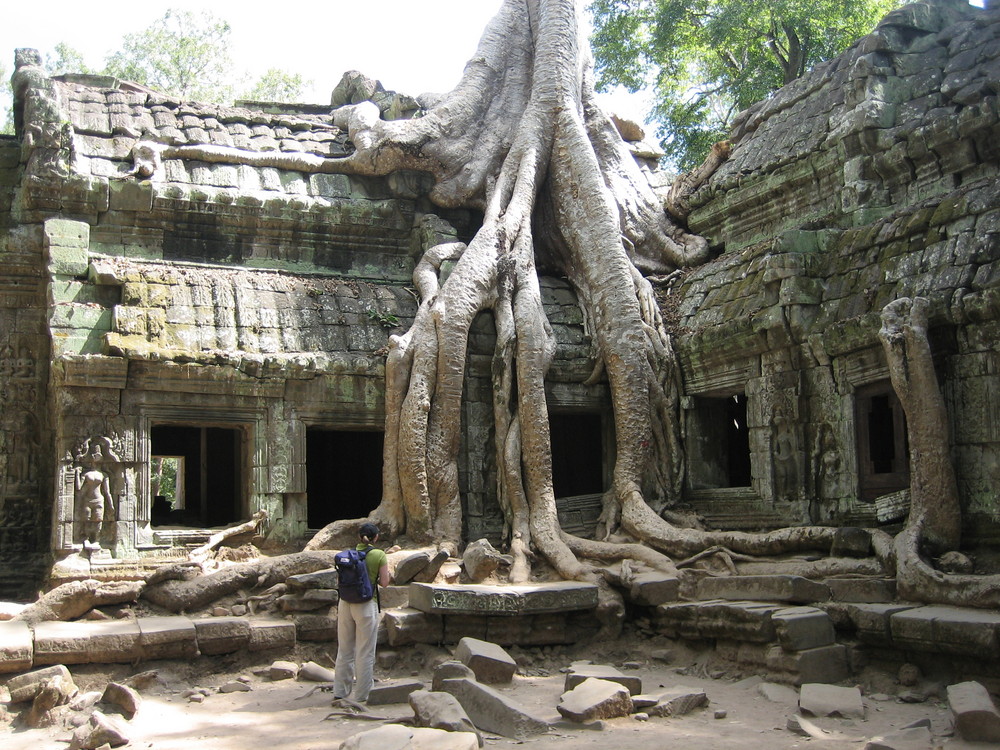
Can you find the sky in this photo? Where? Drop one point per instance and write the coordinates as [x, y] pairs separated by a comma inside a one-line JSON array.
[[412, 46]]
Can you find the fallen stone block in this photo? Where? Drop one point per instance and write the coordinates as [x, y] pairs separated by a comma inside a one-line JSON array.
[[595, 699], [481, 559], [266, 634], [235, 686], [115, 642], [763, 588], [123, 697], [57, 690], [408, 626], [409, 566], [398, 737], [24, 687], [283, 670], [439, 710], [776, 693], [221, 635], [578, 673], [976, 717], [653, 588], [799, 628], [430, 573], [491, 711], [823, 664], [914, 738], [449, 670], [831, 700], [62, 643], [98, 731], [490, 663], [678, 701], [318, 579], [167, 638], [314, 672], [393, 691], [17, 646]]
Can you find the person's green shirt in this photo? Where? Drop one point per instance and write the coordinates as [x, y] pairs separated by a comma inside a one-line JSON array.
[[374, 561]]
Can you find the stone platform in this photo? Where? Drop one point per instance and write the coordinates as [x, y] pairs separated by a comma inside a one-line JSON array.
[[484, 599]]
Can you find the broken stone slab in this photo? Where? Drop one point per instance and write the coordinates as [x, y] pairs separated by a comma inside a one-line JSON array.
[[235, 686], [913, 738], [522, 599], [393, 691], [819, 699], [949, 630], [318, 579], [221, 635], [407, 626], [283, 670], [799, 628], [825, 664], [430, 573], [578, 673], [266, 634], [652, 588], [399, 737], [17, 646], [98, 731], [315, 672], [439, 710], [408, 567], [57, 690], [167, 638], [763, 588], [449, 670], [490, 663], [678, 701], [24, 687], [976, 717], [782, 694], [480, 559], [492, 711], [122, 696], [595, 699]]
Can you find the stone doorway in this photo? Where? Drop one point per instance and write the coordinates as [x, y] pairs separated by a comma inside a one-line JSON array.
[[343, 474], [719, 443], [204, 465], [883, 452]]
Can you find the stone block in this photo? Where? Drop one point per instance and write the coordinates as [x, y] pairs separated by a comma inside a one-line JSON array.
[[872, 621], [266, 634], [409, 566], [826, 664], [678, 620], [678, 701], [739, 621], [764, 588], [483, 599], [316, 627], [491, 711], [393, 691], [578, 673], [167, 638], [976, 717], [24, 687], [128, 195], [595, 699], [399, 737], [283, 670], [457, 627], [450, 670], [950, 630], [114, 642], [861, 590], [488, 661], [318, 579], [62, 643], [123, 696], [298, 603], [68, 261], [17, 646], [799, 628], [394, 597], [408, 626], [222, 635], [653, 588], [831, 700], [439, 710]]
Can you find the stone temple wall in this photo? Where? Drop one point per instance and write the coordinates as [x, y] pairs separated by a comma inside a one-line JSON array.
[[872, 178]]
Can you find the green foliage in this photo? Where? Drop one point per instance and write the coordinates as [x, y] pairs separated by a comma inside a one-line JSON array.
[[183, 54], [276, 85], [6, 103], [709, 59], [386, 320], [66, 59]]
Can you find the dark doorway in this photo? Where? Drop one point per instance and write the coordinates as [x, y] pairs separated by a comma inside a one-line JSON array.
[[719, 443], [343, 474], [883, 451], [197, 475], [577, 454]]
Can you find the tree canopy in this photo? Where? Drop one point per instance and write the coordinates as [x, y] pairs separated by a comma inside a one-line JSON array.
[[708, 59]]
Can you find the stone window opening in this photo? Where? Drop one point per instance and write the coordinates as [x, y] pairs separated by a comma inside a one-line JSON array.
[[883, 450], [207, 465], [718, 441], [343, 474], [579, 468]]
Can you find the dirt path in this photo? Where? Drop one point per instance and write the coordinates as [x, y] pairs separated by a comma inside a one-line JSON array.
[[283, 714]]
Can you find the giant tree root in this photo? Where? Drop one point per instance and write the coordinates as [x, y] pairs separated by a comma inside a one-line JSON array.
[[75, 598], [186, 596]]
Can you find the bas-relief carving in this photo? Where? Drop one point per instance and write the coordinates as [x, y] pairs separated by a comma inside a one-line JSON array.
[[97, 492]]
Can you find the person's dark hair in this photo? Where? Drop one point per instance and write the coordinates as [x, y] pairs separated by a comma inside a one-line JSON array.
[[368, 532]]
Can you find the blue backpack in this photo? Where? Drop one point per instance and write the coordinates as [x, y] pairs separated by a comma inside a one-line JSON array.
[[354, 583]]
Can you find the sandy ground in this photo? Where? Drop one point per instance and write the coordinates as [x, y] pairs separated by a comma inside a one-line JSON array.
[[285, 715]]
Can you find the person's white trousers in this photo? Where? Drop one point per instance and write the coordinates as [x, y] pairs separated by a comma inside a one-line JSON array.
[[357, 635]]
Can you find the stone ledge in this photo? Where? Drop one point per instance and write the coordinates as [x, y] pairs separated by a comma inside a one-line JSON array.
[[483, 599]]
